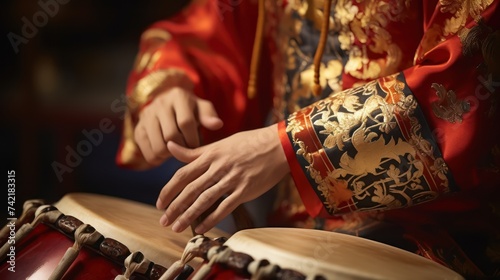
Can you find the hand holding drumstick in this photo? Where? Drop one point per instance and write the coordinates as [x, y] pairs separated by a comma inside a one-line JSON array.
[[224, 168]]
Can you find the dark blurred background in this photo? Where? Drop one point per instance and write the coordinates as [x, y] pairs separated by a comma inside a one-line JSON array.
[[66, 79]]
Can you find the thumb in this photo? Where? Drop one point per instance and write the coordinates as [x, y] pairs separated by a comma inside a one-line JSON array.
[[181, 153], [208, 116]]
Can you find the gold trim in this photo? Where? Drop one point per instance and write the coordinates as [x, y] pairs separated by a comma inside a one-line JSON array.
[[157, 82], [153, 39], [448, 107], [129, 152], [156, 33]]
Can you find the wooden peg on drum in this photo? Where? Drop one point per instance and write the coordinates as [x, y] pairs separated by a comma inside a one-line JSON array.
[[134, 263], [29, 209], [132, 223], [196, 247], [45, 214], [84, 235], [222, 262]]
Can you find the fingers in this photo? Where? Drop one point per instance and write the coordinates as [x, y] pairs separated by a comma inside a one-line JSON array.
[[226, 207], [169, 129], [180, 180], [187, 123], [149, 136], [173, 116], [184, 154], [192, 190], [157, 143], [192, 203], [208, 116], [143, 142]]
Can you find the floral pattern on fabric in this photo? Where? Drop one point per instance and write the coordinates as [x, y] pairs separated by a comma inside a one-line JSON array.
[[363, 44], [369, 148]]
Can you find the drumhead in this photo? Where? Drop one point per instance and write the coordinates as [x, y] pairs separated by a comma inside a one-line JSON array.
[[134, 224], [335, 255]]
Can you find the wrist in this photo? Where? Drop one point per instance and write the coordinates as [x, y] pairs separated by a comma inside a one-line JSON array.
[[277, 149]]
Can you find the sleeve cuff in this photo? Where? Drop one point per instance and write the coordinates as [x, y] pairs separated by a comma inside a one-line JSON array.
[[309, 197]]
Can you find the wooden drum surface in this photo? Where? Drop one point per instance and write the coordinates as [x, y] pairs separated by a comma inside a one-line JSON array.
[[335, 255], [132, 223]]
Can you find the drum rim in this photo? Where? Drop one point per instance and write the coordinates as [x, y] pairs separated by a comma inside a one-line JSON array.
[[326, 268]]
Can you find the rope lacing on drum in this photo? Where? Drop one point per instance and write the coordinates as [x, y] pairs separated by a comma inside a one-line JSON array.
[[217, 254], [135, 262], [191, 251], [29, 210], [46, 214], [84, 235]]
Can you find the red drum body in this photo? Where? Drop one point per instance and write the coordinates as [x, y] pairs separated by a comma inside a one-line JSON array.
[[37, 255], [288, 253], [317, 254], [123, 240], [123, 232], [291, 253]]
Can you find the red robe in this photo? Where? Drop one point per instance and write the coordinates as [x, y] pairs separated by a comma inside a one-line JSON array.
[[403, 145], [412, 158], [207, 48]]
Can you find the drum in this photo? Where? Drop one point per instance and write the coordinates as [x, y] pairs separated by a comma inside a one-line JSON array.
[[288, 253], [124, 240], [115, 233], [315, 254]]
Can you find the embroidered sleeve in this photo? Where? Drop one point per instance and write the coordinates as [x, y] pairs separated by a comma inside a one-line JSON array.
[[400, 140], [367, 148]]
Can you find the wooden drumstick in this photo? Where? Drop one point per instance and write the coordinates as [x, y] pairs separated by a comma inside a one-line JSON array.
[[241, 217], [202, 217], [46, 214], [29, 209], [85, 234]]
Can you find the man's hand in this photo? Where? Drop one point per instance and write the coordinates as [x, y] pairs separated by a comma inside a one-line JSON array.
[[174, 115], [239, 168]]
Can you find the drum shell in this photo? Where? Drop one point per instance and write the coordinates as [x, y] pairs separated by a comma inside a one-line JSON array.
[[132, 224], [37, 255]]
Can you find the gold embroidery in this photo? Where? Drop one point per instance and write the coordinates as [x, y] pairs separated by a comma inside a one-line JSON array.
[[360, 127], [129, 152], [337, 190], [154, 38], [156, 34], [360, 67], [370, 25], [156, 82], [461, 10], [370, 152], [448, 107], [454, 16], [304, 82]]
